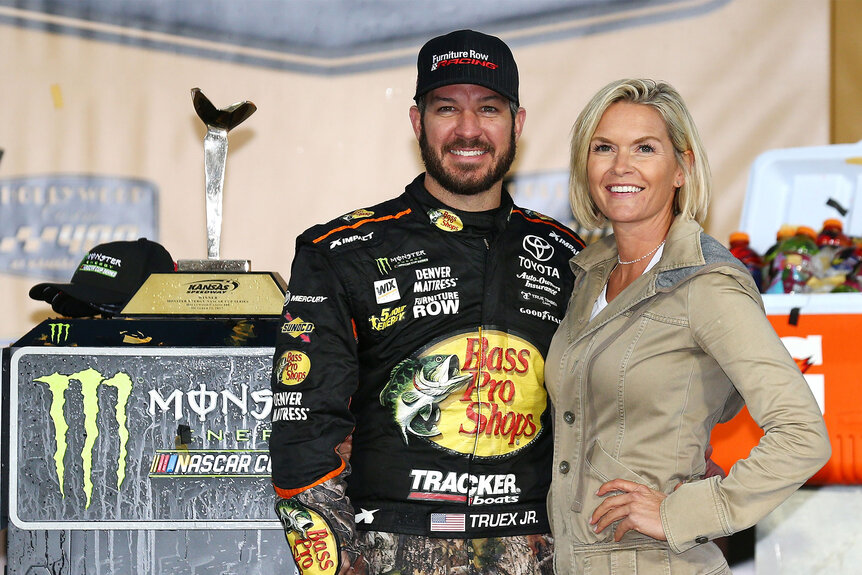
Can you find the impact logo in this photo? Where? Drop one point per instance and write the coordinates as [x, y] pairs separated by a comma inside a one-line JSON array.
[[90, 381], [480, 394], [212, 286], [344, 241], [564, 242], [59, 332]]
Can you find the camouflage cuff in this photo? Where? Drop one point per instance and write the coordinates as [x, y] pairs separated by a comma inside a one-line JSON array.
[[313, 543], [331, 499]]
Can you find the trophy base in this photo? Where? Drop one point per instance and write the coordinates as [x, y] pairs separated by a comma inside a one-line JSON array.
[[217, 266], [219, 293]]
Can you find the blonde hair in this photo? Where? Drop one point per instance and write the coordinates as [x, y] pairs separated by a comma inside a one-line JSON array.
[[692, 198]]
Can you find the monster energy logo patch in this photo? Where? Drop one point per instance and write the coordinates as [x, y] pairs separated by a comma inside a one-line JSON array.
[[383, 265], [59, 332], [90, 380]]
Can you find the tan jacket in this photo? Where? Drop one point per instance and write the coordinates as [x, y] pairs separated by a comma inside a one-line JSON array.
[[637, 391]]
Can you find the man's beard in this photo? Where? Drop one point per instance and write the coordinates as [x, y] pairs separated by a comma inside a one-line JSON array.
[[466, 181]]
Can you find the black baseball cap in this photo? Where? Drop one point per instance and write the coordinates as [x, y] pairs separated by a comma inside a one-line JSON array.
[[106, 279], [467, 57]]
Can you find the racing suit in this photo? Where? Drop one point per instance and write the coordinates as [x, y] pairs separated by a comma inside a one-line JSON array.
[[420, 330]]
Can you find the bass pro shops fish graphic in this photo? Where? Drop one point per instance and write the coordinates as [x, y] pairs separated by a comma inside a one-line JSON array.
[[294, 517], [416, 387]]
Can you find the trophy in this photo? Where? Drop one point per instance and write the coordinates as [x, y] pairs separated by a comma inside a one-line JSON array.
[[212, 286]]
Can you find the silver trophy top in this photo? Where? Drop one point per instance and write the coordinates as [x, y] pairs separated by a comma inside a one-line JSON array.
[[226, 118], [219, 122]]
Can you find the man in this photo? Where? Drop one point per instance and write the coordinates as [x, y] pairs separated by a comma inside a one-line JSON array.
[[412, 351]]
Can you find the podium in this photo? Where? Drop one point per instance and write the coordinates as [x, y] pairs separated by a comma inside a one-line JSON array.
[[140, 445]]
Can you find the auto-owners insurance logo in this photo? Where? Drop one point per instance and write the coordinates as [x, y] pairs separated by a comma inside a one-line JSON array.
[[473, 394]]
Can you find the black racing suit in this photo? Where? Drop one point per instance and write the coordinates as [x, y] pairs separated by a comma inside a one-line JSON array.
[[422, 330]]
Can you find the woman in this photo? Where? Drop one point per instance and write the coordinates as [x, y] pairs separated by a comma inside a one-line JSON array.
[[665, 336]]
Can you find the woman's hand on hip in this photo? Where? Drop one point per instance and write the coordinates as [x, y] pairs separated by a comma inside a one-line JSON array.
[[637, 506]]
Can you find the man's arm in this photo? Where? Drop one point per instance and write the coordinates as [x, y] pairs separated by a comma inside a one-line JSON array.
[[313, 378]]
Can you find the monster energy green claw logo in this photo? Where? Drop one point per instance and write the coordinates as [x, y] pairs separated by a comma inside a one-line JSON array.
[[383, 265], [59, 332], [90, 380]]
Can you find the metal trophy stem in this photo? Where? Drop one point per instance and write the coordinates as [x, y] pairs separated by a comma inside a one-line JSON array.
[[218, 122], [215, 154]]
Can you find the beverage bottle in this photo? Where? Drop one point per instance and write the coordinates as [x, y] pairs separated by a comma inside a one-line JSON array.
[[831, 240], [853, 278], [785, 232], [751, 259], [832, 234], [795, 262], [848, 286]]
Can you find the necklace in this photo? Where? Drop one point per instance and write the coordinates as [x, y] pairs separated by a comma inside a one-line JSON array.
[[646, 255]]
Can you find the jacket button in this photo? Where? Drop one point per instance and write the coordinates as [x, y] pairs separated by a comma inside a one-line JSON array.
[[701, 540], [564, 467], [569, 417]]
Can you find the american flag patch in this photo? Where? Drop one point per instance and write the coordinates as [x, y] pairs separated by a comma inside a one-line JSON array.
[[448, 522]]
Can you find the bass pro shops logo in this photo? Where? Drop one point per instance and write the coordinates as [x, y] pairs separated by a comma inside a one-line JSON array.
[[477, 394], [90, 381], [314, 546]]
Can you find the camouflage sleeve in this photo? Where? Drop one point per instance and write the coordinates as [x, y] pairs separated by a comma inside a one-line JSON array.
[[330, 498], [319, 524], [315, 373]]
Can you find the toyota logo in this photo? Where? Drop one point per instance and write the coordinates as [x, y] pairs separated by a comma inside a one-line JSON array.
[[538, 247]]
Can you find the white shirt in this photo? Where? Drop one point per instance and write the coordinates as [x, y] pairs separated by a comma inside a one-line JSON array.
[[602, 300]]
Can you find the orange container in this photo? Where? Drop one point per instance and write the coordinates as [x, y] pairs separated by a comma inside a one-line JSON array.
[[823, 333]]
